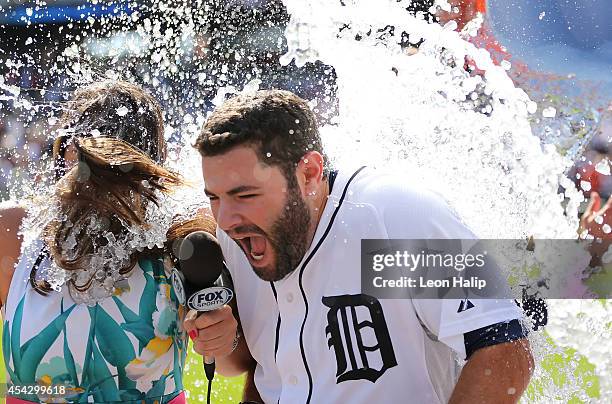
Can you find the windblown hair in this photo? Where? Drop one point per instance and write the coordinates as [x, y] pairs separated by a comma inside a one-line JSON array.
[[112, 179], [117, 129], [278, 124], [115, 109]]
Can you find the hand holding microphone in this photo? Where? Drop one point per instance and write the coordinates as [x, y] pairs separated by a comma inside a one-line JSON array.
[[210, 322], [213, 334]]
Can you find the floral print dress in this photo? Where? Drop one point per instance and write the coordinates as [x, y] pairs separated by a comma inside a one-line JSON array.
[[128, 348]]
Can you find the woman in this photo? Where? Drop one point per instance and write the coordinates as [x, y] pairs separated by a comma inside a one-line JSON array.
[[88, 305]]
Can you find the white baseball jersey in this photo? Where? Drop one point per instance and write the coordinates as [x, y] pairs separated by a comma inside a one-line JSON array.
[[317, 339]]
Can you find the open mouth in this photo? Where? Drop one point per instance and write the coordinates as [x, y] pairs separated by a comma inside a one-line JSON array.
[[254, 247]]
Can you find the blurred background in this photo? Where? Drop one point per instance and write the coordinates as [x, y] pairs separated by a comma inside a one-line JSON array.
[[181, 52], [559, 51]]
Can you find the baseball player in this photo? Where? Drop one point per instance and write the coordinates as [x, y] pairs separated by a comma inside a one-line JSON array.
[[291, 229]]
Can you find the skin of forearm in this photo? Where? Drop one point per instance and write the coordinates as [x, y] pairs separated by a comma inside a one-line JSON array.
[[237, 362], [495, 374]]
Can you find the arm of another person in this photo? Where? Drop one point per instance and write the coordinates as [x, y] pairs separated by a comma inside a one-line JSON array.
[[495, 374], [10, 245]]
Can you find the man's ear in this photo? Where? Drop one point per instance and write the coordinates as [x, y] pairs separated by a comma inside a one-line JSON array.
[[310, 172]]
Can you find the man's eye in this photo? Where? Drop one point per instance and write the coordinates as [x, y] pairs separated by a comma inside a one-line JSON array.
[[212, 197], [247, 196]]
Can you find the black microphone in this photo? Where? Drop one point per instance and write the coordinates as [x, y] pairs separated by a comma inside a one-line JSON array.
[[199, 284]]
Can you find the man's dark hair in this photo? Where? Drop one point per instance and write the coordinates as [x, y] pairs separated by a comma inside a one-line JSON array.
[[278, 124]]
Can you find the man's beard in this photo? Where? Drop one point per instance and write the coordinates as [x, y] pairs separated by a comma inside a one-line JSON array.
[[288, 237]]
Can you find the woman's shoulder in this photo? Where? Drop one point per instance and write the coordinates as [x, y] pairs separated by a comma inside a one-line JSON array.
[[11, 218], [12, 207]]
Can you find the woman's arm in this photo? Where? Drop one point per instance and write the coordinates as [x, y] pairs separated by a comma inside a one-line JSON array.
[[11, 218]]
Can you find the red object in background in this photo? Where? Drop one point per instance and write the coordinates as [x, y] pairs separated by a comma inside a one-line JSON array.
[[589, 174], [481, 6], [468, 10]]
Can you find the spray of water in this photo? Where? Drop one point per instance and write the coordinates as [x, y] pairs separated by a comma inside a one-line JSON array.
[[466, 135], [408, 114]]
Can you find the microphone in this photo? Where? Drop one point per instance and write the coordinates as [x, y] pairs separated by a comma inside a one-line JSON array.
[[199, 283]]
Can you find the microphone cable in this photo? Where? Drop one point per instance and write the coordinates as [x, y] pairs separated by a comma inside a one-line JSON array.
[[209, 371]]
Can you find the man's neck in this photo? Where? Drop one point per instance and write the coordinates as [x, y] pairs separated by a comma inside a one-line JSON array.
[[320, 201]]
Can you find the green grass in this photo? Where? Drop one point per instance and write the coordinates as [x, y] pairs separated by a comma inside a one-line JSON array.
[[565, 367], [224, 390]]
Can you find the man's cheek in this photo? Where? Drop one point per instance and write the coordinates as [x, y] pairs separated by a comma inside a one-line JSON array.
[[214, 209]]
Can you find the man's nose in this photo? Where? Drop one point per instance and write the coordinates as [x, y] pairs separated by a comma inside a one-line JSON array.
[[228, 216]]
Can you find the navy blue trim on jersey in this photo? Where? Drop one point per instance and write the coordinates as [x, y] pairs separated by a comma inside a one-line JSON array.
[[278, 322], [332, 179], [313, 252], [492, 335]]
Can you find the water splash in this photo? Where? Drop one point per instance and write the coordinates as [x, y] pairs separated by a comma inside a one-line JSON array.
[[469, 136], [409, 114]]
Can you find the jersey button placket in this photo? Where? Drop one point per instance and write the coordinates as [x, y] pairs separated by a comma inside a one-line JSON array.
[[289, 358]]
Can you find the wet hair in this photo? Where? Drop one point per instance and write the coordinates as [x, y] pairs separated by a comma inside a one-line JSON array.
[[114, 109], [113, 179], [117, 129], [278, 124]]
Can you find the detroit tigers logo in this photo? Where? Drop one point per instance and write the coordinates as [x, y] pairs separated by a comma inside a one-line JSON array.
[[349, 321]]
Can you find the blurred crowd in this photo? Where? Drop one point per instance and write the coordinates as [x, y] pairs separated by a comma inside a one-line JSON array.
[[24, 136], [238, 44], [184, 80]]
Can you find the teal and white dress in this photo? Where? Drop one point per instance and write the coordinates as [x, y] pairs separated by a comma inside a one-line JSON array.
[[127, 348]]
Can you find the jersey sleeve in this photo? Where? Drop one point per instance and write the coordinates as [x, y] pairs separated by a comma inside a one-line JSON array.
[[427, 216]]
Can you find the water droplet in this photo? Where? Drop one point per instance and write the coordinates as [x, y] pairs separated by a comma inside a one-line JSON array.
[[585, 185], [603, 167], [122, 110], [549, 112], [127, 167]]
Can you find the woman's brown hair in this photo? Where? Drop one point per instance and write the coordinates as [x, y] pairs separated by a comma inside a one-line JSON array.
[[115, 109], [117, 129], [112, 179]]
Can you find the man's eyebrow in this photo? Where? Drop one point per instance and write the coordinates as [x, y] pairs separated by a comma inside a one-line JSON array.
[[242, 188], [234, 191]]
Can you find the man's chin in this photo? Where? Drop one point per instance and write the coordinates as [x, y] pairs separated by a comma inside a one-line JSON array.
[[269, 274], [265, 273]]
